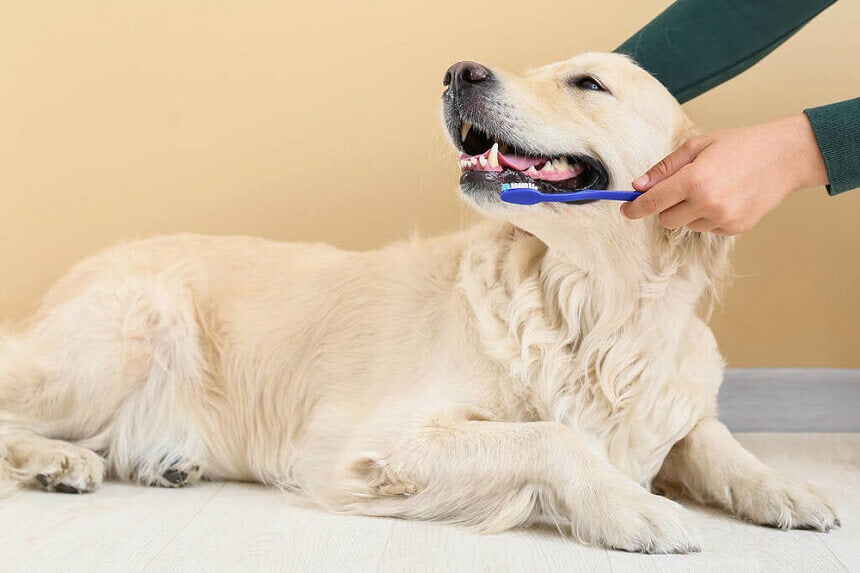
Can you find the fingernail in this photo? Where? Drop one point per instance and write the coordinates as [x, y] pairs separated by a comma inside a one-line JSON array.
[[641, 180]]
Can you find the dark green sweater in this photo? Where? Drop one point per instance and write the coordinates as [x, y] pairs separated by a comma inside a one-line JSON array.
[[695, 45]]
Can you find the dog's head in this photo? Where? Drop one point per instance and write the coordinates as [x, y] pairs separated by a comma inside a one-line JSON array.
[[595, 121]]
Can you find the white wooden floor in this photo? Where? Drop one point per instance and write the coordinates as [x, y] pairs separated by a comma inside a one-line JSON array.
[[241, 527]]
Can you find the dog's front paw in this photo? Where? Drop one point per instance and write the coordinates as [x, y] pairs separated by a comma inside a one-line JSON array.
[[637, 521], [769, 499]]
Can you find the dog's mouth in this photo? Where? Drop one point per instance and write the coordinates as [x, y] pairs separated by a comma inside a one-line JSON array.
[[488, 159]]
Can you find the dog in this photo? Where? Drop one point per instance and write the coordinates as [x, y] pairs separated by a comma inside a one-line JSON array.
[[550, 363]]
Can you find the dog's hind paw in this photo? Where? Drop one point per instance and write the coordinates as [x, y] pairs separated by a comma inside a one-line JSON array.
[[175, 473], [67, 469]]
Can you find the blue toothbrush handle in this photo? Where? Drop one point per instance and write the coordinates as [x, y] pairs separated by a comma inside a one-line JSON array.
[[612, 195], [531, 196]]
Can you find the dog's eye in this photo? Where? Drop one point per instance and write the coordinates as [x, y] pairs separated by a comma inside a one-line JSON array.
[[587, 83]]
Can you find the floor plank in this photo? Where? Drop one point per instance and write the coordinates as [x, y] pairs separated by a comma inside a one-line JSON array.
[[833, 462], [250, 526], [230, 527], [120, 527], [9, 499], [417, 546]]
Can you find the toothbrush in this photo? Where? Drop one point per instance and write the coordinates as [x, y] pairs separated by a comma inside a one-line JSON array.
[[528, 194]]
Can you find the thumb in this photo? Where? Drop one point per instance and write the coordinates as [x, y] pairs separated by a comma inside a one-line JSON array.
[[670, 164]]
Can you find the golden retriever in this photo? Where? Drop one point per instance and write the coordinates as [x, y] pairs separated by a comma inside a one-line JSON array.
[[549, 363]]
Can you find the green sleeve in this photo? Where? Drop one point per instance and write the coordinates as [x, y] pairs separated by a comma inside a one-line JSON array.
[[837, 129], [695, 45]]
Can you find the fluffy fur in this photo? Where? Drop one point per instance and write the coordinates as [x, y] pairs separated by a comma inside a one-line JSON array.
[[488, 377]]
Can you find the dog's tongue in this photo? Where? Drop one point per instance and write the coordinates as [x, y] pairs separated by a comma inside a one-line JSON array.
[[555, 170], [519, 162]]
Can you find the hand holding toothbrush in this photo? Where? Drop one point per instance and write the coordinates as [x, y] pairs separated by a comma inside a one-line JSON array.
[[726, 181]]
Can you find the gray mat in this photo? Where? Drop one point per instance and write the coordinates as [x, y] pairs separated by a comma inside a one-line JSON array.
[[791, 399]]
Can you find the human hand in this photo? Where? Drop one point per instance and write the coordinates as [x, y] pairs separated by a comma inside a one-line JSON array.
[[727, 180]]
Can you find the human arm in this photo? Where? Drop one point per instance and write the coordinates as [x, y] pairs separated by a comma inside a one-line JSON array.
[[693, 46]]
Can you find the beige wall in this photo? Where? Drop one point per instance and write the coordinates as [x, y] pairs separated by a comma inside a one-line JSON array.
[[319, 121]]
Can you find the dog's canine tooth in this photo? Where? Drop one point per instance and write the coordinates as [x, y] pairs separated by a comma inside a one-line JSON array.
[[493, 158], [464, 130]]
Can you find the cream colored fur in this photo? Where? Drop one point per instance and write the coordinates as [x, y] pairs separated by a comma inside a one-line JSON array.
[[489, 377]]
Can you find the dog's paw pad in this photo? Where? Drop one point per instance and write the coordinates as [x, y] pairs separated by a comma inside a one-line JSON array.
[[178, 473], [65, 488], [175, 476]]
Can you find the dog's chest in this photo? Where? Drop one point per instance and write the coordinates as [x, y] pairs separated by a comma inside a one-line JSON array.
[[636, 444], [633, 420], [632, 378]]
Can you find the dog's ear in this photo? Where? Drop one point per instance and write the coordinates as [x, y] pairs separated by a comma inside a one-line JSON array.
[[708, 252], [711, 252], [685, 130]]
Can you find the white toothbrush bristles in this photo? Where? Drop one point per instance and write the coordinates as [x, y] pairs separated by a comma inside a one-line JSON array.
[[520, 185]]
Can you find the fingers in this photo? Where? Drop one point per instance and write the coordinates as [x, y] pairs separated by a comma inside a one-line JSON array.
[[656, 200], [702, 225], [684, 214], [670, 164], [681, 193], [680, 215]]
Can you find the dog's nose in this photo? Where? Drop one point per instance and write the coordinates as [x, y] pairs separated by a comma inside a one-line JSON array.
[[466, 72]]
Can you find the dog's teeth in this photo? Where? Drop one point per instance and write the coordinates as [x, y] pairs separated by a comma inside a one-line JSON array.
[[482, 160], [464, 130], [561, 164], [494, 155], [547, 166], [532, 171]]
